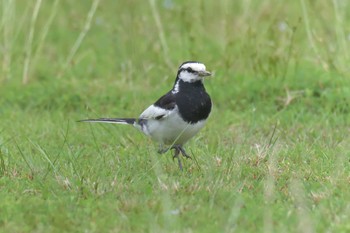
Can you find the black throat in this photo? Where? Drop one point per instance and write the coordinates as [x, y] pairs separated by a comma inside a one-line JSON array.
[[193, 101]]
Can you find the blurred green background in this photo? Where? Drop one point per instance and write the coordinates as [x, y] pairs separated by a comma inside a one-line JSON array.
[[274, 156]]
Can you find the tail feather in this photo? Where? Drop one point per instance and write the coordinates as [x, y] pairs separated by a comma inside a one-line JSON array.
[[126, 121]]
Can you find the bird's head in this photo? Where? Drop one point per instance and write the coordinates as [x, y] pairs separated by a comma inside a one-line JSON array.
[[192, 71]]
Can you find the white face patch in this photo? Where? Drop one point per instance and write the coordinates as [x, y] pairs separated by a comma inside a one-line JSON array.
[[190, 77]]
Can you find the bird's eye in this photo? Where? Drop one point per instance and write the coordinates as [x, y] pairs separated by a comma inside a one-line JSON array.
[[190, 70]]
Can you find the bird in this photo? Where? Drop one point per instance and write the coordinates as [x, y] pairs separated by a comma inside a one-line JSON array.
[[177, 116]]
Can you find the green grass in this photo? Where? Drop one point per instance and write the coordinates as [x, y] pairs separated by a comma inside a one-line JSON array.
[[274, 156]]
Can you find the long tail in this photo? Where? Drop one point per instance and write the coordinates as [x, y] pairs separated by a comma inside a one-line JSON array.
[[125, 121]]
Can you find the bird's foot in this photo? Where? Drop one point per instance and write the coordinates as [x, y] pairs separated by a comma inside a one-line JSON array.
[[178, 149], [182, 150], [163, 150]]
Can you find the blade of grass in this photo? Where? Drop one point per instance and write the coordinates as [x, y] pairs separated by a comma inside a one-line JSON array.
[[161, 34], [81, 37], [45, 31], [309, 34], [341, 37], [65, 136], [24, 158], [44, 153], [7, 25], [29, 43], [305, 224]]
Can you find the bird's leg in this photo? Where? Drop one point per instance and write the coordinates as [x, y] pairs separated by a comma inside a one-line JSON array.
[[176, 155], [162, 149]]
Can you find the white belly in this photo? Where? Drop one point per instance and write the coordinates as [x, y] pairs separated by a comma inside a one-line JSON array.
[[172, 129]]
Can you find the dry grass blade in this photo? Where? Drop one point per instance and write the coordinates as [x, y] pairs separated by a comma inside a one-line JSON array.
[[81, 37], [8, 17], [45, 31], [302, 207], [161, 35], [28, 49]]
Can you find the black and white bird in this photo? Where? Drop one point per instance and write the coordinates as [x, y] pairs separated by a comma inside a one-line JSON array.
[[178, 115]]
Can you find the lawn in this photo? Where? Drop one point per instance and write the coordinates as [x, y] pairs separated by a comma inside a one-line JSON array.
[[274, 156]]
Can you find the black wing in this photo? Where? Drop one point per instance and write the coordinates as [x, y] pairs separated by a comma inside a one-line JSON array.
[[167, 101], [161, 108]]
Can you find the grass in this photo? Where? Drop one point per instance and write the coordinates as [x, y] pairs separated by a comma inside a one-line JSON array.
[[274, 156]]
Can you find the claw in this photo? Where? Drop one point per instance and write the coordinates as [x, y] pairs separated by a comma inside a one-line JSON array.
[[162, 150], [176, 155], [183, 152], [178, 149]]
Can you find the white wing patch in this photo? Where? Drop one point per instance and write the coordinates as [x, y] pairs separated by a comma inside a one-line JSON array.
[[154, 112]]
